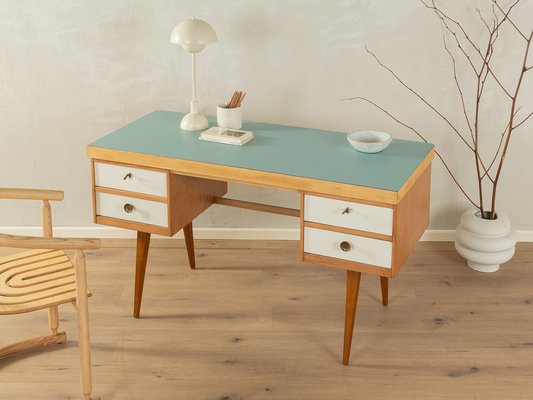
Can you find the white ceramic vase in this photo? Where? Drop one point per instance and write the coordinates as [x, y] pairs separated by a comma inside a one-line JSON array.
[[485, 243]]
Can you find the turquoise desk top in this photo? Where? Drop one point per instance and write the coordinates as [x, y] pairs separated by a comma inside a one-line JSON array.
[[302, 152]]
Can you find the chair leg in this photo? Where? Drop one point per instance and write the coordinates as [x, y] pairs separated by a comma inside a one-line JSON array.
[[82, 308], [41, 341], [31, 344], [53, 319]]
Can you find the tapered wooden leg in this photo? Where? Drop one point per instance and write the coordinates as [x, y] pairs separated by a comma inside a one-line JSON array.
[[143, 244], [189, 242], [384, 290], [353, 280], [53, 319]]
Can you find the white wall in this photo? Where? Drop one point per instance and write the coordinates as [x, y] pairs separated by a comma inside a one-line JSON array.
[[70, 72]]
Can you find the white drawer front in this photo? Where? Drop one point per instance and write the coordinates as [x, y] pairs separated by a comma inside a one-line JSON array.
[[145, 211], [363, 250], [137, 179], [358, 216]]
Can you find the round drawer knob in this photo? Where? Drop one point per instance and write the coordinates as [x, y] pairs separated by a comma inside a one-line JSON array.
[[129, 208], [345, 246], [347, 210], [128, 175]]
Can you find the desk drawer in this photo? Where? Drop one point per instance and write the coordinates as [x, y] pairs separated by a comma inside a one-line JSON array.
[[132, 179], [144, 211], [356, 248], [348, 214]]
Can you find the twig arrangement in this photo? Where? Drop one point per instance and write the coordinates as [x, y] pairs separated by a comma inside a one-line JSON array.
[[236, 100], [479, 60]]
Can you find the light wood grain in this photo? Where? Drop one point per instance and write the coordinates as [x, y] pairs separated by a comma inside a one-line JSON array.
[[44, 278], [349, 231], [291, 212], [30, 194], [134, 226], [241, 175], [411, 219], [120, 192], [345, 264], [254, 323], [33, 343], [32, 242]]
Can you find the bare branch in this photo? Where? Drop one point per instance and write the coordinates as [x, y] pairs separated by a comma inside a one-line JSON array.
[[501, 140], [483, 19], [421, 98], [507, 16], [511, 120], [442, 15], [454, 35], [502, 136], [524, 120], [459, 89], [495, 21], [421, 137]]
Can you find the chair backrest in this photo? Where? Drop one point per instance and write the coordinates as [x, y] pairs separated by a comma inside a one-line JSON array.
[[36, 194]]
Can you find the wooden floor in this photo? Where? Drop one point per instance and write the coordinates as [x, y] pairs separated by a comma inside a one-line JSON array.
[[252, 322]]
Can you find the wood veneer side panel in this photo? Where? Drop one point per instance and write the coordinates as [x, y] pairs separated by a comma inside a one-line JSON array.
[[411, 220], [189, 197]]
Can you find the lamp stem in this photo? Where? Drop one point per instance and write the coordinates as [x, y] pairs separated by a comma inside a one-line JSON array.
[[193, 76]]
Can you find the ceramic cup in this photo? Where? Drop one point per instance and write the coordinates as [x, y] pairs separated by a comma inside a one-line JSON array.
[[229, 117]]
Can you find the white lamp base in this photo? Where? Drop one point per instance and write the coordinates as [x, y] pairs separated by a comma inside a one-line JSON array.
[[194, 122]]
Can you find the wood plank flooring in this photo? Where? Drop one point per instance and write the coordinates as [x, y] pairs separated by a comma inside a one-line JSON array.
[[252, 322]]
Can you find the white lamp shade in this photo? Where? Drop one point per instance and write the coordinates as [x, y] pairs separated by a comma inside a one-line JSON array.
[[193, 34]]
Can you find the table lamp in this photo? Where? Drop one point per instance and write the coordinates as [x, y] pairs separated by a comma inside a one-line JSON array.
[[193, 34]]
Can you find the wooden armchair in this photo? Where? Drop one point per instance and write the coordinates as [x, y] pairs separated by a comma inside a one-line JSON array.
[[45, 277]]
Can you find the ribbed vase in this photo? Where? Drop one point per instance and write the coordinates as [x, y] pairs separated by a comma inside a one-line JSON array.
[[485, 243]]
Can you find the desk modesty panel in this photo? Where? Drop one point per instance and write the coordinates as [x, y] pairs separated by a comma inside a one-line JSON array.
[[279, 156]]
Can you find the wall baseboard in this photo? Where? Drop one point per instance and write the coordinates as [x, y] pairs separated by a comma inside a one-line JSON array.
[[106, 232]]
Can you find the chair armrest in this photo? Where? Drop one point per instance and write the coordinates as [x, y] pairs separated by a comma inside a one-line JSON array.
[[30, 194], [53, 243]]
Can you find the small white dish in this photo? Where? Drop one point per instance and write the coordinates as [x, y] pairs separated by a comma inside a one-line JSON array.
[[369, 141]]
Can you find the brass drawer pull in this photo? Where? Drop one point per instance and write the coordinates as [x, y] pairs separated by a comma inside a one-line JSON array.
[[129, 208], [128, 175], [345, 246], [347, 210]]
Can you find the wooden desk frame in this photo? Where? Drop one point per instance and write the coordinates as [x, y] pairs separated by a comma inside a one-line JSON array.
[[197, 185]]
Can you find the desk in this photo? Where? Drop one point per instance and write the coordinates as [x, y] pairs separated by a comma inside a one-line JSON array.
[[360, 212]]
